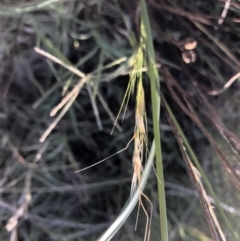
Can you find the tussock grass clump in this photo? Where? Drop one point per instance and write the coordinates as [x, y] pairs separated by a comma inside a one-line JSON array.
[[65, 66]]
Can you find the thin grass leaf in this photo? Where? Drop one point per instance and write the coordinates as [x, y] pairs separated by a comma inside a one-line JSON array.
[[94, 106], [218, 43], [196, 162], [6, 11], [62, 113], [195, 177], [44, 97], [107, 109]]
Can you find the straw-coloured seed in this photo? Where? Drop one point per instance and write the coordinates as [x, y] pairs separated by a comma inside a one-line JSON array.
[[190, 44], [187, 44], [189, 56]]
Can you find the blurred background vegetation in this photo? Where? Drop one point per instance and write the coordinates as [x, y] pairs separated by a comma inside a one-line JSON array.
[[41, 196]]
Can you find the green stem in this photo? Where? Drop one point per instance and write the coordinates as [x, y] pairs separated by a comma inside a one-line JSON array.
[[154, 83]]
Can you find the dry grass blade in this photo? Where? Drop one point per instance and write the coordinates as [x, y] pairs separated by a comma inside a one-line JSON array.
[[189, 110], [195, 177], [224, 13], [25, 201], [69, 98], [231, 138], [77, 88], [218, 43], [234, 4], [205, 19], [62, 113], [19, 156], [56, 60], [209, 112], [207, 109], [227, 85]]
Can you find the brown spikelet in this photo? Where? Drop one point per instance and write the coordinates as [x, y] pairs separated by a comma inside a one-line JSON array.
[[137, 169], [139, 137]]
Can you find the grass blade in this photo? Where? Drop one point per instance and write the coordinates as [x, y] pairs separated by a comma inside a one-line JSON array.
[[196, 162], [154, 83]]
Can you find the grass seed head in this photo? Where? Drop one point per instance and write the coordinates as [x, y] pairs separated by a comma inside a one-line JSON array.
[[139, 135]]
